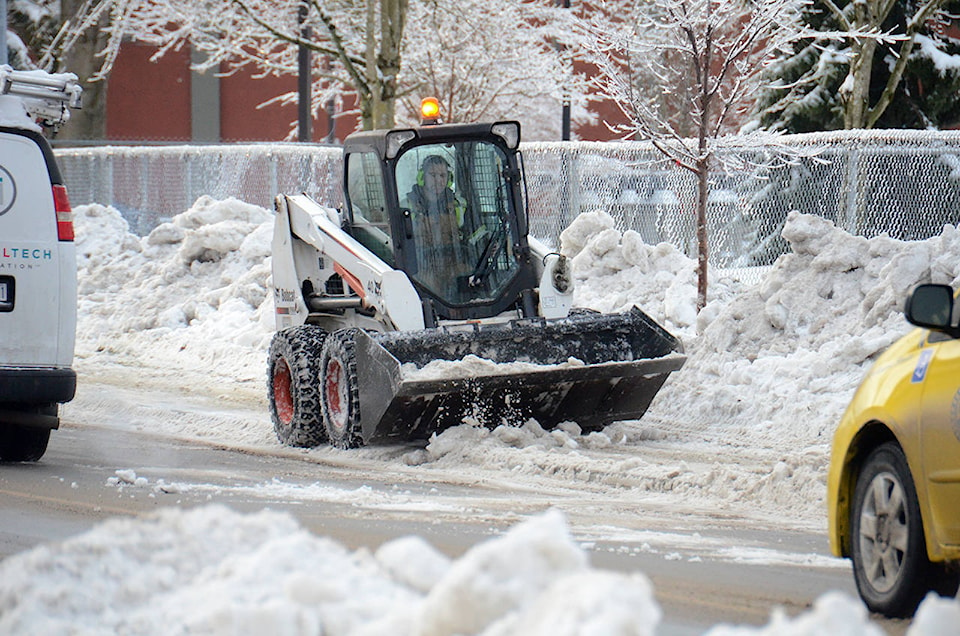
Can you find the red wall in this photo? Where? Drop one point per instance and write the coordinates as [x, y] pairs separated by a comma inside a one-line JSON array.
[[149, 100], [240, 120]]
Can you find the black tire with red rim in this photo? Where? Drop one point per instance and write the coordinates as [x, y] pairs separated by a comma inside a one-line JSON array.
[[341, 399], [293, 387]]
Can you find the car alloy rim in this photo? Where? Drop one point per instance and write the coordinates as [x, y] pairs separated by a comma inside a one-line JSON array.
[[883, 531], [282, 394], [335, 394]]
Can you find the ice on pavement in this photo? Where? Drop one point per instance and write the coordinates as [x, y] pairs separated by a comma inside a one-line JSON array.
[[750, 416]]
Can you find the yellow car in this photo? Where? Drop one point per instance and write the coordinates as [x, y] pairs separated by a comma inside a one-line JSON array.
[[893, 489]]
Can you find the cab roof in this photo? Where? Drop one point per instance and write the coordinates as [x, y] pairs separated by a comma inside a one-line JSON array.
[[377, 140]]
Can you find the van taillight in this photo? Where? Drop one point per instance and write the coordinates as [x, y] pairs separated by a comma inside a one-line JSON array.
[[64, 214]]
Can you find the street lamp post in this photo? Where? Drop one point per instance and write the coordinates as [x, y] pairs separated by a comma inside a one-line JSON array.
[[565, 112], [304, 132], [3, 32]]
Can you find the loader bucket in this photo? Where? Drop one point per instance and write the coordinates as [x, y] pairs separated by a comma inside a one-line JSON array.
[[590, 368]]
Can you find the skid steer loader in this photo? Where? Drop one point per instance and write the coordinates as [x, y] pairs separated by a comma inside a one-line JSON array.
[[430, 259]]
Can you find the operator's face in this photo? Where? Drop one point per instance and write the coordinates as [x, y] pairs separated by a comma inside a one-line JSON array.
[[435, 180]]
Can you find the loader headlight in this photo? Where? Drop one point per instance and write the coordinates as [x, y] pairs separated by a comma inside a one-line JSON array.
[[396, 139], [509, 131], [561, 275]]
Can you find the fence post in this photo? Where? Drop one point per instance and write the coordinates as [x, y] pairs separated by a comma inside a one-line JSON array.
[[852, 189]]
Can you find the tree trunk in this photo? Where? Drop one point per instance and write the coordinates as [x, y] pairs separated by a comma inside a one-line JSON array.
[[702, 166], [382, 58], [703, 194], [857, 100], [90, 122]]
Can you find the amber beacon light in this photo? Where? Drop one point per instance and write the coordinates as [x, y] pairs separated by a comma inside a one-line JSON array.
[[429, 111]]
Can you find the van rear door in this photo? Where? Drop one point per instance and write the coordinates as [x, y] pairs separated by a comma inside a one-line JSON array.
[[37, 268]]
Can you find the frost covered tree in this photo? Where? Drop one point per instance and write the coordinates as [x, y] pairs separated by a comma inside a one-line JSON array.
[[860, 108], [685, 73], [359, 46], [36, 25], [909, 78], [493, 59], [357, 42], [31, 26]]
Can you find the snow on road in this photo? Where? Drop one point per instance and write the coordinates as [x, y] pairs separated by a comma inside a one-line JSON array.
[[749, 418], [742, 430]]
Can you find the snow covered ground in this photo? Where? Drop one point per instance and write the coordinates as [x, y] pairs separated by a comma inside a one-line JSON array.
[[213, 571], [742, 430]]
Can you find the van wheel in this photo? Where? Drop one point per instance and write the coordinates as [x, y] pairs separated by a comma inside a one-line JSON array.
[[341, 398], [293, 388], [25, 443], [888, 549]]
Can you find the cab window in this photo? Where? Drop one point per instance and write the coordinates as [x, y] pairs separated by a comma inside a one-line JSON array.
[[370, 222], [459, 203]]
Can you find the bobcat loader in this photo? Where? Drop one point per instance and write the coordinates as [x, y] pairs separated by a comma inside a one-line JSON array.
[[428, 260]]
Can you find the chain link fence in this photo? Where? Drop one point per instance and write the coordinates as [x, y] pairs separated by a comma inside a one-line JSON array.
[[903, 183]]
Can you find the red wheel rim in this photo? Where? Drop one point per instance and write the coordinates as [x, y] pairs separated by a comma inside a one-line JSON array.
[[335, 384], [282, 394]]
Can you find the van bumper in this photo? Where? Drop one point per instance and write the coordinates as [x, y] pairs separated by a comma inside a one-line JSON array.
[[29, 386]]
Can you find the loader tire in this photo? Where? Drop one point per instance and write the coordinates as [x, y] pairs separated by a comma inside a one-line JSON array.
[[341, 398], [293, 386]]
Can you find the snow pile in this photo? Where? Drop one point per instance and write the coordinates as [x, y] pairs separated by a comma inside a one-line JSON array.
[[837, 613], [461, 445], [832, 613], [778, 364], [615, 271], [212, 570], [770, 367], [189, 302]]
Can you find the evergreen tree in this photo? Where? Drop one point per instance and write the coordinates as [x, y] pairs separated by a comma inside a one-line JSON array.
[[31, 25], [803, 94]]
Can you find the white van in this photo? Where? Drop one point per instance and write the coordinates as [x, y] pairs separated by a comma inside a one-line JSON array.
[[38, 293]]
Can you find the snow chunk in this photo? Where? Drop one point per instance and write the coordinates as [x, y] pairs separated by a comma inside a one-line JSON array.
[[208, 211], [574, 238], [472, 366], [936, 616], [414, 562], [832, 613], [501, 576], [593, 602]]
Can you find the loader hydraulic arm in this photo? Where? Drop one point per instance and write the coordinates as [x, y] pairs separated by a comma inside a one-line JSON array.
[[374, 285]]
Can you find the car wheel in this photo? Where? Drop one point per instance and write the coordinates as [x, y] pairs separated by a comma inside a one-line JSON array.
[[888, 550], [341, 399], [293, 388], [25, 443]]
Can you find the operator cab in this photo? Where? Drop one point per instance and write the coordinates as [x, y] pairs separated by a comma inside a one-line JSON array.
[[444, 203]]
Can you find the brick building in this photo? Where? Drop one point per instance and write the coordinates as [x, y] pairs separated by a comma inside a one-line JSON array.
[[166, 101]]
